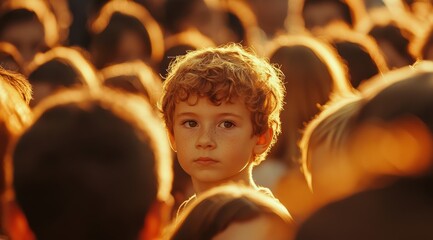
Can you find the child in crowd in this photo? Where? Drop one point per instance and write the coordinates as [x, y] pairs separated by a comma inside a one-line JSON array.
[[221, 107], [234, 212]]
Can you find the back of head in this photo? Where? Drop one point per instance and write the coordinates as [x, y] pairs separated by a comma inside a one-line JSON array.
[[89, 168], [398, 116], [360, 52], [29, 25], [60, 67], [181, 43], [314, 74], [393, 34], [220, 207], [135, 77], [319, 13], [328, 173], [125, 31]]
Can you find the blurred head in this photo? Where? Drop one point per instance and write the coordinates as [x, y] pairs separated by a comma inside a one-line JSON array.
[[29, 25], [59, 68], [393, 34], [134, 77], [393, 134], [319, 13], [180, 44], [271, 15], [360, 53], [204, 15], [329, 174], [125, 31], [233, 212], [89, 167], [240, 21], [314, 74]]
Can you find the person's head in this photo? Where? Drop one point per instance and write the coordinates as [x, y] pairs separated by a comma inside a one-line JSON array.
[[393, 35], [328, 173], [222, 75], [319, 13], [93, 166], [125, 31], [15, 115], [29, 25], [181, 43], [135, 77], [394, 128], [61, 67], [241, 22], [233, 212], [217, 98], [271, 15], [360, 53], [314, 74]]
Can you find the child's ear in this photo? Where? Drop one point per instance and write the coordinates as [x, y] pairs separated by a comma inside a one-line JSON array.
[[264, 141], [172, 141]]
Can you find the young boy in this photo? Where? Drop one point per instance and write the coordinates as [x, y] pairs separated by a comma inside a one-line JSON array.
[[221, 107]]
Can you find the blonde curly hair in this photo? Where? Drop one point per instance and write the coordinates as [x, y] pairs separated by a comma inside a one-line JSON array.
[[222, 74]]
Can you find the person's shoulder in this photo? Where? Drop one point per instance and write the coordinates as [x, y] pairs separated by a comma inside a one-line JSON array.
[[394, 210], [266, 191], [185, 204]]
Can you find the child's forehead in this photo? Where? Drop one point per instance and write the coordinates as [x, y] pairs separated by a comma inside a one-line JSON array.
[[204, 105], [195, 98]]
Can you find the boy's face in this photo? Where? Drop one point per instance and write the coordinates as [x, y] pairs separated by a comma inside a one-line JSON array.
[[214, 143]]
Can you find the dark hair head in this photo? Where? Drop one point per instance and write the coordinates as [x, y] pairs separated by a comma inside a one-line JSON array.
[[177, 11], [360, 52], [396, 36], [16, 16], [345, 9], [135, 77], [88, 168], [217, 209], [20, 11], [114, 19], [56, 72], [63, 66], [401, 99], [314, 73], [411, 95]]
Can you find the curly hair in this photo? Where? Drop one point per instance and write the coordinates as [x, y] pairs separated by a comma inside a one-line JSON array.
[[222, 74]]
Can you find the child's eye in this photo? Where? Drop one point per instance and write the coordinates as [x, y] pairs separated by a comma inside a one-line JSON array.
[[190, 123], [227, 124]]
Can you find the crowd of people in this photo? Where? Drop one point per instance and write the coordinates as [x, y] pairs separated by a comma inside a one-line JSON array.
[[216, 119]]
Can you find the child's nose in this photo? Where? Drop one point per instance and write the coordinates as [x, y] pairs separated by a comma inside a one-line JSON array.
[[205, 138]]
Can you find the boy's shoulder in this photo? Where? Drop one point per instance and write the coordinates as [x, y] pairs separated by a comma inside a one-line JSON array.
[[185, 204]]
